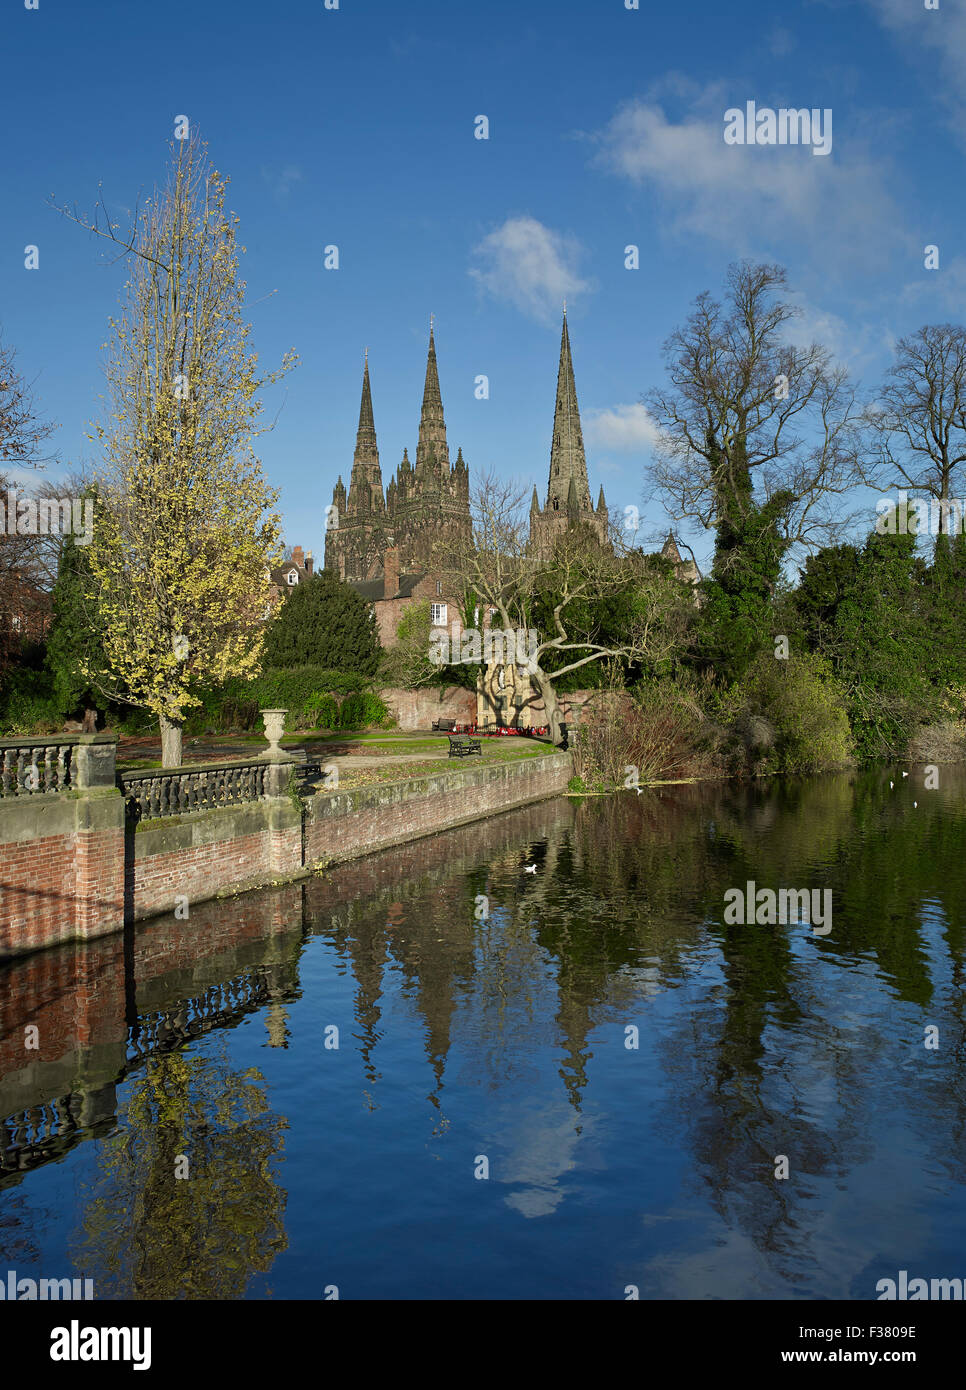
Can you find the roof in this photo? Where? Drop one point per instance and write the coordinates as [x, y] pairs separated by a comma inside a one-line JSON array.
[[375, 589]]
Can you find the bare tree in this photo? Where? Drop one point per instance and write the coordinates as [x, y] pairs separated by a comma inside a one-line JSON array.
[[22, 431], [749, 416], [496, 568], [918, 424]]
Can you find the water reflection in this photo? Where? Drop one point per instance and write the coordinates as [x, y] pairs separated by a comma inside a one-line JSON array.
[[509, 1037]]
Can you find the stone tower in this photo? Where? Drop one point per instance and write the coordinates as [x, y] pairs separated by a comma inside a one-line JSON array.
[[357, 532], [433, 497], [420, 503], [568, 491]]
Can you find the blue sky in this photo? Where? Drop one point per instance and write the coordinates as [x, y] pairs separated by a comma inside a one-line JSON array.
[[355, 127]]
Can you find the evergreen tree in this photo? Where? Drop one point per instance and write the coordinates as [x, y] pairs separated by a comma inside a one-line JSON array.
[[324, 622], [73, 640]]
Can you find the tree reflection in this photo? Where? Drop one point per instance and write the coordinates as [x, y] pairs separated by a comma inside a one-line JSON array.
[[147, 1233]]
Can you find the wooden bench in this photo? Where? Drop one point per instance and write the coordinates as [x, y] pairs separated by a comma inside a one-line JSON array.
[[461, 747], [306, 769], [443, 726]]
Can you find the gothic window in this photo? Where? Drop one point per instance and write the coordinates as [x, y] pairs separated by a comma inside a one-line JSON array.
[[555, 505], [437, 614]]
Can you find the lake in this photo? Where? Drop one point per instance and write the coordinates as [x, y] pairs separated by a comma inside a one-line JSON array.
[[432, 1074]]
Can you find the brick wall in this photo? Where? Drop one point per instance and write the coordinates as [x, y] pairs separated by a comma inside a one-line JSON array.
[[419, 709], [341, 825], [61, 869], [198, 855], [70, 870]]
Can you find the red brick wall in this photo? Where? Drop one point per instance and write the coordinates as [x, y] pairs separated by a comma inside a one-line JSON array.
[[418, 709], [60, 886], [200, 871], [57, 887]]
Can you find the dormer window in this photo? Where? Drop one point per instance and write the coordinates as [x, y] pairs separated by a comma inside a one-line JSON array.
[[292, 576]]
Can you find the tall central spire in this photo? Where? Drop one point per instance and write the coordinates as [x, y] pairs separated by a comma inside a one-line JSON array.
[[432, 451], [365, 487], [567, 460]]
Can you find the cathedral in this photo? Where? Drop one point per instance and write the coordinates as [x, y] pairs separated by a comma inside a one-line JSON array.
[[374, 535]]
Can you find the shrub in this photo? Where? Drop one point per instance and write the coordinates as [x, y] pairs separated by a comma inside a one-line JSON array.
[[363, 710], [787, 716], [660, 731]]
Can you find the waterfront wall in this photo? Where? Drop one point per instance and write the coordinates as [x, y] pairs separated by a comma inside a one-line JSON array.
[[73, 867]]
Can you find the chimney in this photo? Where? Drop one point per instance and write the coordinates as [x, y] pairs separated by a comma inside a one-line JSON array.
[[390, 568], [308, 562], [298, 556]]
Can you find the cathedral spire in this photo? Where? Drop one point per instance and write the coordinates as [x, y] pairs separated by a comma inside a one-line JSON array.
[[568, 463], [365, 488], [431, 449]]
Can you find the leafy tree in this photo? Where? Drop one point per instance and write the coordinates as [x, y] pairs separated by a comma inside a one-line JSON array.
[[187, 531], [879, 643], [73, 641], [324, 622]]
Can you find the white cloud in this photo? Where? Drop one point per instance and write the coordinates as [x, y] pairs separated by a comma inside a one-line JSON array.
[[281, 180], [621, 428], [532, 266], [938, 39], [746, 194]]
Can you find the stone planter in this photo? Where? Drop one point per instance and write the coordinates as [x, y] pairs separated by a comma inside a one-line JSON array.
[[274, 728]]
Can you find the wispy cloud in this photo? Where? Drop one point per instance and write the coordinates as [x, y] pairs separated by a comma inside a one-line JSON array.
[[280, 181], [751, 196], [623, 429], [530, 265], [937, 39]]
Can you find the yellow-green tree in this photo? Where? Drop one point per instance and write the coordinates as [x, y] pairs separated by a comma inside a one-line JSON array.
[[186, 528]]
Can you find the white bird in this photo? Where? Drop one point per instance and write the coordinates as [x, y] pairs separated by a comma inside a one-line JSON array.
[[891, 785], [905, 774], [530, 869], [638, 790], [915, 804]]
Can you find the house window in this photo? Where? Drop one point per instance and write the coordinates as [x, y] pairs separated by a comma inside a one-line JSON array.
[[437, 614], [293, 576], [439, 586]]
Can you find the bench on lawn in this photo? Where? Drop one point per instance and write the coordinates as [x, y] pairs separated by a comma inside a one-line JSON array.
[[461, 747], [306, 769], [443, 726]]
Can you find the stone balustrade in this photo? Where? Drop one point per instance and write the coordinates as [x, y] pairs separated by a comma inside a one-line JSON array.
[[56, 763], [151, 794]]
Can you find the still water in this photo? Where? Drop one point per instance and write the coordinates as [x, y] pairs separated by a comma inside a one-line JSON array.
[[484, 1019]]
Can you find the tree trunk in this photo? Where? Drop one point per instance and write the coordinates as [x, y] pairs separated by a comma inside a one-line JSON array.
[[552, 710], [171, 730]]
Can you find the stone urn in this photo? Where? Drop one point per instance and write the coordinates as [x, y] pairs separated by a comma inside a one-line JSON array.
[[274, 728]]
